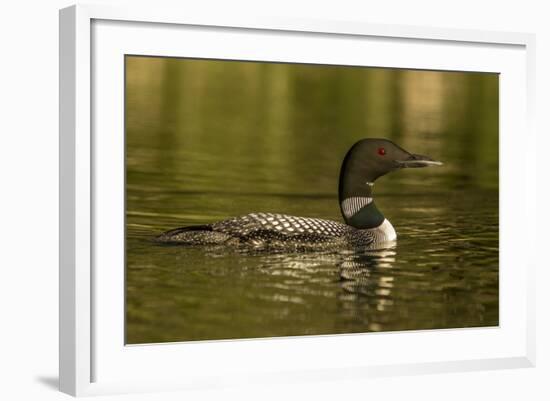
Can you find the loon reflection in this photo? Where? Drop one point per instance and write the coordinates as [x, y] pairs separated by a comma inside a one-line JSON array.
[[363, 273], [364, 225]]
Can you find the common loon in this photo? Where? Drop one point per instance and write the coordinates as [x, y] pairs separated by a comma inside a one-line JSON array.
[[365, 226]]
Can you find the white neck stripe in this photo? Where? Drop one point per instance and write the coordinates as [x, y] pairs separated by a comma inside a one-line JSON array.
[[352, 205]]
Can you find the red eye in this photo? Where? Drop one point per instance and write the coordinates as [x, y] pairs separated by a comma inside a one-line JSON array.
[[381, 151]]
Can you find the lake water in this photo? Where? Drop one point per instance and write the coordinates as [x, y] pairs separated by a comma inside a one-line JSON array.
[[209, 140]]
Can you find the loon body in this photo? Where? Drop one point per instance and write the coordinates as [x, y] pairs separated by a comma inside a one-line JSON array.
[[272, 230], [365, 226]]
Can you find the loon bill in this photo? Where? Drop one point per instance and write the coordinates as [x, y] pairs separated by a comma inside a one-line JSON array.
[[365, 226]]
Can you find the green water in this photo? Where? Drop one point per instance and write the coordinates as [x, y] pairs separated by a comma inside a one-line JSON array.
[[208, 140]]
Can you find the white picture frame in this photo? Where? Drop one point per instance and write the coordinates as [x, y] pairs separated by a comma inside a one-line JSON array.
[[93, 357]]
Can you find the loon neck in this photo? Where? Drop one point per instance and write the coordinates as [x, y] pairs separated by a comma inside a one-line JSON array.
[[360, 211]]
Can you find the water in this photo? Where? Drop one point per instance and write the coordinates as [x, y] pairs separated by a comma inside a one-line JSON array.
[[210, 140]]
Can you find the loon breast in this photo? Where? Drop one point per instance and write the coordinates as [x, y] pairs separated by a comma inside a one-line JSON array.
[[385, 232], [270, 230]]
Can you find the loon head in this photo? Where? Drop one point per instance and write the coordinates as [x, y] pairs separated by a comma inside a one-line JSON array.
[[366, 161]]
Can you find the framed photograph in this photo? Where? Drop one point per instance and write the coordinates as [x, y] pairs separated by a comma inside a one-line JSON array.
[[278, 200]]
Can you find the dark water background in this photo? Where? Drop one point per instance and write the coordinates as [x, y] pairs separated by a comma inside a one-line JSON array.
[[208, 140]]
